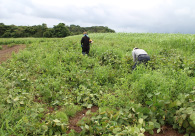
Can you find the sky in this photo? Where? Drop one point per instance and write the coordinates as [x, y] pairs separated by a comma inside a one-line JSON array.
[[130, 16]]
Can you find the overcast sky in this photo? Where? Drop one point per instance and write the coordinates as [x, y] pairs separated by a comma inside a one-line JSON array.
[[156, 16]]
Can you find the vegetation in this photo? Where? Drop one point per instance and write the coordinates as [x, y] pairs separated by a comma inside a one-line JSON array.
[[60, 30], [53, 73], [76, 29]]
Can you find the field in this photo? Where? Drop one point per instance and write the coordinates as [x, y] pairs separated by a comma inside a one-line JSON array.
[[49, 83]]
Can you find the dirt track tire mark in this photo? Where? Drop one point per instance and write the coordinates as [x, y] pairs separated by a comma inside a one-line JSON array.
[[6, 52]]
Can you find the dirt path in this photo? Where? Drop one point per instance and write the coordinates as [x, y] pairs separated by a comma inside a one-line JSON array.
[[74, 120], [6, 52]]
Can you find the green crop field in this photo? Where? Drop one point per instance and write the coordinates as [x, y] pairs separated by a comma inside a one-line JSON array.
[[53, 73]]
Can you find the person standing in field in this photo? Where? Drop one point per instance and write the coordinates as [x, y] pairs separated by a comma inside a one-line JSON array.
[[139, 56], [85, 41]]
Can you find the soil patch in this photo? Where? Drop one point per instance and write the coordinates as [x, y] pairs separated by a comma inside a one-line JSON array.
[[74, 120], [165, 131], [6, 52]]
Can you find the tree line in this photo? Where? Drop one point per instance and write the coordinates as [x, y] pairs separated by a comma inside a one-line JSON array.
[[60, 30]]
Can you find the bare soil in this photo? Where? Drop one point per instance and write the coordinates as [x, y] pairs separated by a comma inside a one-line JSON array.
[[6, 52], [74, 120], [165, 131]]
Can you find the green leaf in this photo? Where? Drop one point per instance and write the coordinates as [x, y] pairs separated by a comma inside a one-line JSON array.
[[86, 126], [167, 101], [180, 121], [9, 101], [192, 123], [116, 130], [41, 109], [151, 125], [172, 104], [22, 102], [149, 95], [56, 121], [141, 121], [88, 112], [151, 132], [89, 106], [184, 116], [158, 130], [86, 98], [78, 98], [192, 116], [189, 110], [16, 99], [157, 93], [157, 125], [45, 127], [185, 124], [149, 103], [177, 103], [130, 115], [142, 130]]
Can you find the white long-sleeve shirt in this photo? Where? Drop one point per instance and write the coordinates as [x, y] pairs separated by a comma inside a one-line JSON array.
[[137, 52]]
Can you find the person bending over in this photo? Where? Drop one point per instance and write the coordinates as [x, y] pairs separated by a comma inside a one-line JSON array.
[[139, 56]]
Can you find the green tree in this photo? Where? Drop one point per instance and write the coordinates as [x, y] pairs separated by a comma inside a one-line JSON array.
[[48, 33], [18, 32], [2, 29], [7, 34], [75, 29], [61, 30], [40, 29], [30, 31]]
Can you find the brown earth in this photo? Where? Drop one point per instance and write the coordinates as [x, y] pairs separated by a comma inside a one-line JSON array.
[[165, 131], [6, 52], [79, 115]]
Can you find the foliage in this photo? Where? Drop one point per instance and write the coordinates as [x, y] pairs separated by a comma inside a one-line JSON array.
[[50, 81], [60, 30], [76, 29], [184, 119]]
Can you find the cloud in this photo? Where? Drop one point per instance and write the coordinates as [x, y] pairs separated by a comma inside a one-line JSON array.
[[163, 16]]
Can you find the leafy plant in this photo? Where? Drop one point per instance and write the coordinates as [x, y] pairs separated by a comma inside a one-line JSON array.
[[53, 73]]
